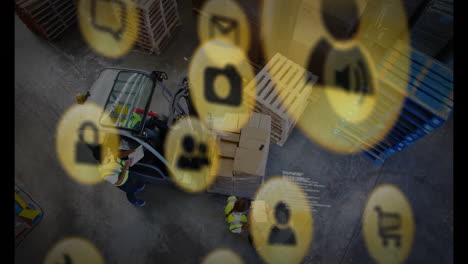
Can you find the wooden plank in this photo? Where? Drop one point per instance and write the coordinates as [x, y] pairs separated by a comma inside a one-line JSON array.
[[276, 65], [271, 95], [69, 22], [285, 73], [47, 18], [299, 92], [60, 22], [160, 18], [293, 78]]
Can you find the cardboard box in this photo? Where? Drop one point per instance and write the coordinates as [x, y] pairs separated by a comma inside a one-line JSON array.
[[254, 138], [227, 149], [253, 144], [265, 122], [228, 136], [249, 162], [224, 178], [254, 120], [252, 155], [259, 120], [255, 133], [229, 122], [225, 167]]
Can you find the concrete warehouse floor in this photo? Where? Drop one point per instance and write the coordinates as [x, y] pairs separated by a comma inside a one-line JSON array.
[[177, 227]]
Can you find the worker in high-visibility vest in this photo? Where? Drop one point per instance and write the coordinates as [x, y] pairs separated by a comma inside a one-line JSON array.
[[135, 119], [116, 171], [236, 214]]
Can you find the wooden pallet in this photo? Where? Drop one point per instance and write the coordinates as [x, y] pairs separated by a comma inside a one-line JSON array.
[[157, 20], [427, 93], [243, 186], [47, 18], [287, 92]]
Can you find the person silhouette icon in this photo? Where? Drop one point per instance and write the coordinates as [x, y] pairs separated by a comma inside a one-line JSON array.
[[344, 63], [350, 71], [193, 163], [281, 234]]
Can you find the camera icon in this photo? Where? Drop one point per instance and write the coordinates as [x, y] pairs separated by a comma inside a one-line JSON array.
[[235, 94]]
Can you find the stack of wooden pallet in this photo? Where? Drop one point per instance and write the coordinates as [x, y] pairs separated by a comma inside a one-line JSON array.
[[290, 80], [428, 102], [157, 21], [243, 158], [434, 28], [47, 18]]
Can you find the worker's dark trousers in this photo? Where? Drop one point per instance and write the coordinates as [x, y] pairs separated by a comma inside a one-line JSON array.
[[130, 187]]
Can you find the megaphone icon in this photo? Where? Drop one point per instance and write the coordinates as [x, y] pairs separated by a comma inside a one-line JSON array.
[[342, 78], [102, 21], [360, 84]]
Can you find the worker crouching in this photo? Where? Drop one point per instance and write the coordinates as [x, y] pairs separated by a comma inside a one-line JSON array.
[[236, 214]]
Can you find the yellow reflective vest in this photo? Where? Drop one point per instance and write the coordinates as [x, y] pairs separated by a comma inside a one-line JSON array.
[[234, 222], [113, 169], [135, 118]]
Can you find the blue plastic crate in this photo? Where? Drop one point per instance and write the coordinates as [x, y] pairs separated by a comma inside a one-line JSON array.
[[432, 79], [431, 119], [373, 157], [442, 72], [389, 151], [428, 103], [401, 146], [411, 118], [429, 83]]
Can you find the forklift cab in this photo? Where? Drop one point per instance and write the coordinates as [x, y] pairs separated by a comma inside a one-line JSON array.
[[130, 99]]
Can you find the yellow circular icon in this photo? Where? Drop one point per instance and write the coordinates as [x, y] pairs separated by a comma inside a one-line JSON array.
[[224, 20], [388, 225], [219, 73], [192, 153], [110, 27], [74, 250], [224, 256], [281, 221], [351, 107], [82, 139], [352, 88]]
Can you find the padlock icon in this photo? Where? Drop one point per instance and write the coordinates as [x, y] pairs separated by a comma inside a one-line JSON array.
[[88, 152]]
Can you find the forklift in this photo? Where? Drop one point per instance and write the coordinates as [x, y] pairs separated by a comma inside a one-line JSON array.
[[131, 99]]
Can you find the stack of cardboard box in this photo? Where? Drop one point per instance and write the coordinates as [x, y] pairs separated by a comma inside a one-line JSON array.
[[243, 157]]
